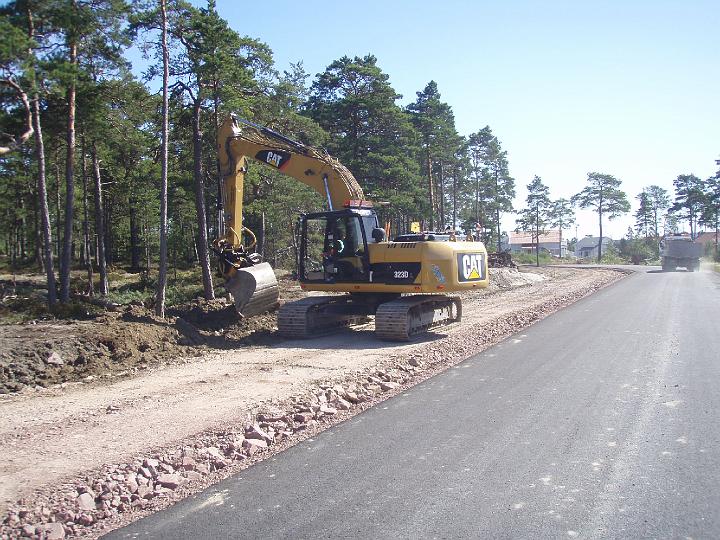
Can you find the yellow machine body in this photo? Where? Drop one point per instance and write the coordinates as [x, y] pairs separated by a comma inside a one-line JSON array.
[[344, 250], [443, 267]]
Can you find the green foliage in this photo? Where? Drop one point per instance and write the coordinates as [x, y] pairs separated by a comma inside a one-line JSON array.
[[710, 210], [603, 195], [490, 189], [398, 154], [612, 255], [643, 216], [638, 249], [689, 199], [183, 286], [536, 216], [14, 41], [441, 152], [562, 214], [544, 258], [354, 102], [658, 201]]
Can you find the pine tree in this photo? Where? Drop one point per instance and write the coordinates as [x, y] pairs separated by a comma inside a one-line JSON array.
[[537, 214], [494, 187], [562, 216], [710, 214], [644, 215], [603, 195], [18, 44], [93, 36], [659, 201], [210, 52], [689, 197], [164, 133], [435, 122], [354, 102]]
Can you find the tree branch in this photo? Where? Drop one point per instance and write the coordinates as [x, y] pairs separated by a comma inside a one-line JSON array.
[[185, 88], [17, 142]]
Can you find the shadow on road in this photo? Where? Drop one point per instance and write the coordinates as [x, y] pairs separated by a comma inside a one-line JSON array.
[[667, 271], [351, 339]]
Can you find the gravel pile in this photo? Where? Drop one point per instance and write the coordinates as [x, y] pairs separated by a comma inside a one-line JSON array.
[[510, 278]]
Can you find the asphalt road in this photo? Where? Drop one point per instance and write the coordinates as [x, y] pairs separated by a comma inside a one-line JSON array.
[[601, 421]]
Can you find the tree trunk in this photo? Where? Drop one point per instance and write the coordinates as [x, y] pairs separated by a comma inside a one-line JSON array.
[[21, 227], [441, 197], [86, 223], [497, 212], [38, 232], [148, 261], [100, 223], [134, 236], [66, 259], [109, 238], [218, 172], [656, 225], [162, 272], [454, 197], [58, 221], [260, 247], [202, 240], [537, 236], [431, 187], [477, 198], [194, 245], [84, 253], [601, 237]]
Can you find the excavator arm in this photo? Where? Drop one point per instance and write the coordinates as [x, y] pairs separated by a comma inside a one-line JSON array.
[[239, 140], [251, 281]]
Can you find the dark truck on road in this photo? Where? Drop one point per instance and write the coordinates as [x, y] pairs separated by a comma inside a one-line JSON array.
[[680, 251]]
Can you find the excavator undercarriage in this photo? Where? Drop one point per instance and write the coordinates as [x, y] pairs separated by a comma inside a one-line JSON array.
[[397, 318]]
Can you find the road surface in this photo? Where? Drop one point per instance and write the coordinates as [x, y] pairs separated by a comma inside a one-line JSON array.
[[600, 421]]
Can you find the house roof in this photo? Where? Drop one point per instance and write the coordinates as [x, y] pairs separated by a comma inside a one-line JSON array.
[[706, 238], [526, 237], [591, 241]]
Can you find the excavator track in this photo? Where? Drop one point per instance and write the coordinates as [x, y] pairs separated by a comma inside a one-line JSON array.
[[399, 320], [305, 318]]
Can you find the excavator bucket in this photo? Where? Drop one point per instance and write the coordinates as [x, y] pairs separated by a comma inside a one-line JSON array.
[[254, 288]]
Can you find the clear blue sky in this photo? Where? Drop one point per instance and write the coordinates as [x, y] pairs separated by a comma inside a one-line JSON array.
[[626, 88]]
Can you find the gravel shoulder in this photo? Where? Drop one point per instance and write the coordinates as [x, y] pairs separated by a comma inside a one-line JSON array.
[[57, 438]]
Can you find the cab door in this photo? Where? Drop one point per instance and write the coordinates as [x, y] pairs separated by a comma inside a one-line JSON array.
[[334, 249]]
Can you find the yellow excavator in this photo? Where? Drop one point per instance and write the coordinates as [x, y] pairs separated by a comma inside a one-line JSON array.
[[343, 250]]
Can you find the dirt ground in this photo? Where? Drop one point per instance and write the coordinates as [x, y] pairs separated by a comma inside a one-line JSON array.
[[122, 343], [133, 339], [128, 384]]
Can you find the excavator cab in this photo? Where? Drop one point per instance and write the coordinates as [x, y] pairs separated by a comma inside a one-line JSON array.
[[334, 246]]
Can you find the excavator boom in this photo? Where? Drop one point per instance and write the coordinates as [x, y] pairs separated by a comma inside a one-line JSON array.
[[252, 282], [238, 140]]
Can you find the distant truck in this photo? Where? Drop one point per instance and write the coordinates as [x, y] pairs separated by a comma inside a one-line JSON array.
[[680, 251]]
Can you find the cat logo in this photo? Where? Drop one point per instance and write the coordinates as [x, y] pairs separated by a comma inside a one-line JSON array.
[[471, 267], [276, 158]]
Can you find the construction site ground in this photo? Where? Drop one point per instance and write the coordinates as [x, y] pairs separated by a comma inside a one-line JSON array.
[[83, 403]]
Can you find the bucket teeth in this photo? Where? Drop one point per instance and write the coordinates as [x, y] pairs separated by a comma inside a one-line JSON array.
[[254, 288]]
